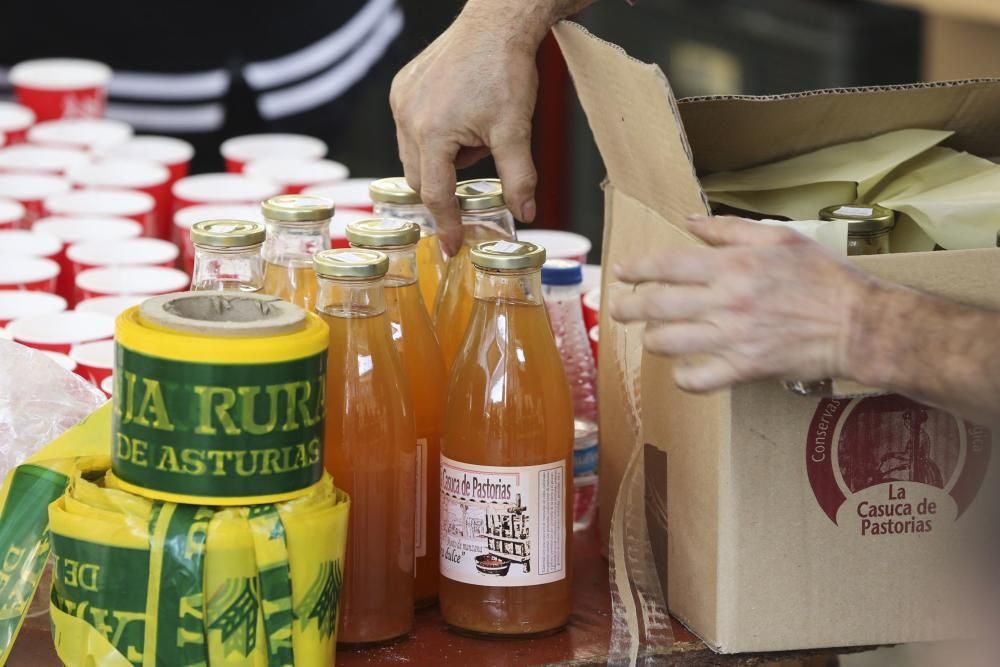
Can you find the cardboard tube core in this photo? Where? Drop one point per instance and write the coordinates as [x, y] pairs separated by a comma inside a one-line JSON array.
[[223, 314]]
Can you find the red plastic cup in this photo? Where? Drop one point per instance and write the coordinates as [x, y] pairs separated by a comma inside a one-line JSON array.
[[126, 174], [222, 189], [351, 193], [592, 307], [103, 203], [296, 174], [338, 226], [59, 332], [31, 159], [62, 87], [71, 230], [16, 305], [594, 335], [112, 306], [128, 252], [31, 191], [108, 385], [4, 334], [15, 120], [131, 280], [174, 154], [34, 274], [11, 214], [185, 218], [558, 244], [94, 361], [88, 134], [29, 244], [240, 150]]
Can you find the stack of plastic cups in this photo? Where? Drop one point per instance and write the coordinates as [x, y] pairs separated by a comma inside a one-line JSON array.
[[127, 174], [350, 194], [221, 189], [239, 151], [11, 214], [296, 174], [124, 253], [15, 120], [87, 134], [62, 87], [32, 191]]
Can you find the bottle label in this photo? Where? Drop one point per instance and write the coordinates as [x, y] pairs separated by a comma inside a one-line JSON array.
[[421, 505], [503, 526]]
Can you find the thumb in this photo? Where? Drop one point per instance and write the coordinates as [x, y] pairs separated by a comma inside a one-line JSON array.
[[512, 154]]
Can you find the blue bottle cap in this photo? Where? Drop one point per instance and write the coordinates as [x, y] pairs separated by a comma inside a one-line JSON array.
[[562, 272]]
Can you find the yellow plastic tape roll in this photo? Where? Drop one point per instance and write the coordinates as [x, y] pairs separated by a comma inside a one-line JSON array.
[[219, 399], [144, 583]]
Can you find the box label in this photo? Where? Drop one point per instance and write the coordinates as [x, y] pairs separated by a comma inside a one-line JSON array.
[[503, 526], [887, 465]]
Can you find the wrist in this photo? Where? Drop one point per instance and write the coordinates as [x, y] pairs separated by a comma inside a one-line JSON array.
[[519, 25], [875, 333]]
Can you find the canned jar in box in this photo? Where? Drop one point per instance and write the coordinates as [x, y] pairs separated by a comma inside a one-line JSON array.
[[89, 134], [296, 174], [15, 119], [238, 381], [31, 159], [130, 280], [62, 87], [20, 304], [59, 332], [31, 191], [243, 149], [129, 174]]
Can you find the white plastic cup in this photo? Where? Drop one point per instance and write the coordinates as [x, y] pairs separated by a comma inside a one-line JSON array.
[[126, 252], [351, 193], [133, 204], [108, 385], [592, 307], [295, 174], [130, 280], [594, 334], [62, 360], [222, 189], [33, 274], [89, 134], [94, 361], [185, 218], [174, 154], [31, 191], [62, 87], [243, 149], [15, 119], [20, 243], [591, 277], [31, 159], [59, 332], [558, 244], [112, 306], [16, 305], [11, 214], [128, 174]]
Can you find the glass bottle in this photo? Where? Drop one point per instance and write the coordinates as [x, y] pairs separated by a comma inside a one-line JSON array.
[[868, 227], [507, 459], [424, 367], [394, 198], [227, 256], [298, 227], [485, 217], [370, 446]]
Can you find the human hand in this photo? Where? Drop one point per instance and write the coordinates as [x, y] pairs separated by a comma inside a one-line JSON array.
[[759, 302], [470, 93]]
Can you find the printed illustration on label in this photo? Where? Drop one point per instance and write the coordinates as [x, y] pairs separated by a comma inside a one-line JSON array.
[[503, 526], [887, 465]]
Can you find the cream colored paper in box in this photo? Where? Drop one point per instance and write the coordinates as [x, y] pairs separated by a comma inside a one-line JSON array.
[[831, 234], [799, 187]]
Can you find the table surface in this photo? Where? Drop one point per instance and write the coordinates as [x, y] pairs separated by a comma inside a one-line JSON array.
[[584, 642]]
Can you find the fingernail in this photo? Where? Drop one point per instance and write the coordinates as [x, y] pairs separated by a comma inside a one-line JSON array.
[[618, 268], [698, 217], [528, 211]]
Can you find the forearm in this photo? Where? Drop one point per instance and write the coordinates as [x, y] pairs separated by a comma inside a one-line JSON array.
[[935, 351], [524, 22]]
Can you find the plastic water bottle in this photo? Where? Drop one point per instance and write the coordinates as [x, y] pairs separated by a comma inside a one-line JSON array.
[[561, 281]]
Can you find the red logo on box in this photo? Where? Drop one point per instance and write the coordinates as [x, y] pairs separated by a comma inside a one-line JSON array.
[[857, 444]]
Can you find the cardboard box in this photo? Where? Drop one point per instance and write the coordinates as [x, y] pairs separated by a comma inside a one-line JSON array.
[[765, 548], [960, 49]]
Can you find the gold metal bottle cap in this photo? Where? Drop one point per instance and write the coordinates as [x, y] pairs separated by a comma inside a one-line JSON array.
[[351, 263], [508, 255], [862, 219], [297, 208], [393, 190], [383, 233], [227, 233], [481, 194]]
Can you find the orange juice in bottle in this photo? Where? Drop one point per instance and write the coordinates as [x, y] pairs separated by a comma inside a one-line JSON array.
[[507, 459], [370, 446], [485, 217], [298, 227], [424, 366], [393, 198]]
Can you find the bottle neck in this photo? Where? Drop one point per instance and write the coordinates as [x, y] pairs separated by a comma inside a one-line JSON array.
[[488, 225], [227, 269], [402, 265], [350, 298], [519, 287], [294, 244]]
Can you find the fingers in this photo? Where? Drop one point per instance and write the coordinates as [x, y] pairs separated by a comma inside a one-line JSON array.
[[689, 266], [437, 191], [512, 153], [468, 156], [682, 338], [728, 230], [705, 374], [409, 156], [664, 304]]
